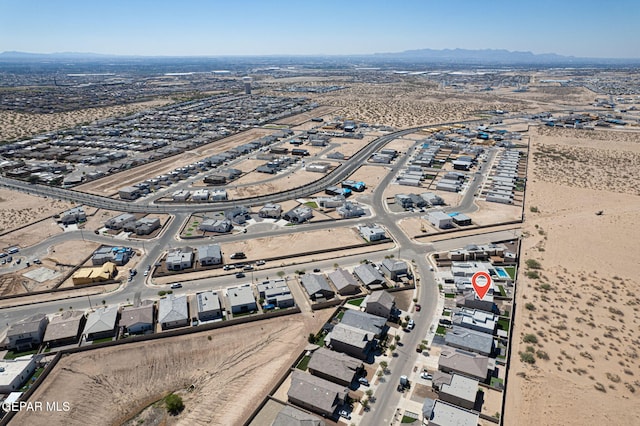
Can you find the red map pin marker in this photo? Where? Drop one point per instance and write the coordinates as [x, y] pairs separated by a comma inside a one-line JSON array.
[[481, 283]]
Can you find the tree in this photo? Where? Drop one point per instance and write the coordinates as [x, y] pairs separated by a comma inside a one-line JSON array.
[[392, 347], [384, 365], [312, 338], [281, 274], [174, 404], [397, 337], [365, 403], [369, 392]]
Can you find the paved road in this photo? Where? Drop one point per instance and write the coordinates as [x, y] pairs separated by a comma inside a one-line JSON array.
[[387, 398]]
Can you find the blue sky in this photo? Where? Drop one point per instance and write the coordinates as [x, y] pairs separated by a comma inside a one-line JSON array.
[[585, 28]]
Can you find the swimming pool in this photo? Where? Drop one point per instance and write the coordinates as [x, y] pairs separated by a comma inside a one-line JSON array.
[[502, 273]]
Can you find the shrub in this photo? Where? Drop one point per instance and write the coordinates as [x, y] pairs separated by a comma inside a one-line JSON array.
[[174, 404], [527, 357], [530, 338], [534, 275], [534, 209], [533, 264], [530, 306], [542, 355]]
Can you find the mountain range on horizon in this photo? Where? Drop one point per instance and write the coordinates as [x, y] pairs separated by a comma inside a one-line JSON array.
[[470, 56]]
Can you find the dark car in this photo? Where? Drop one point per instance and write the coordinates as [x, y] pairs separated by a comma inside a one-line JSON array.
[[240, 275], [418, 307], [239, 255]]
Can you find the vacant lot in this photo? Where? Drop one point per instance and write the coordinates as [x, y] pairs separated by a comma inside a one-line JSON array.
[[231, 369], [576, 330]]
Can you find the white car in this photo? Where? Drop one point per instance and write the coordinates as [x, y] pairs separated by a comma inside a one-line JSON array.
[[426, 376], [411, 324], [345, 414]]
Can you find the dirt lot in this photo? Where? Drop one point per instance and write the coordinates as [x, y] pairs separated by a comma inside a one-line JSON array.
[[109, 386], [110, 184], [21, 125], [19, 209], [299, 119], [578, 290]]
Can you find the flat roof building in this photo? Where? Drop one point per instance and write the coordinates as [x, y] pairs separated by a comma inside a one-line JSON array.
[[15, 372]]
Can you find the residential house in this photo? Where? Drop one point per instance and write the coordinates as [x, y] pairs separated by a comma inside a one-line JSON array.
[[218, 195], [74, 215], [394, 269], [216, 225], [106, 272], [349, 210], [209, 307], [466, 363], [101, 323], [181, 195], [368, 275], [276, 292], [372, 232], [470, 340], [179, 259], [475, 319], [129, 193], [138, 319], [173, 312], [209, 255], [352, 341], [15, 372], [380, 303], [290, 416], [27, 333], [143, 226], [317, 286], [440, 219], [457, 389], [316, 394], [272, 211], [200, 195], [364, 321], [432, 198], [344, 282], [440, 413], [117, 255], [470, 300], [65, 329], [119, 221], [334, 366], [299, 214], [241, 299]]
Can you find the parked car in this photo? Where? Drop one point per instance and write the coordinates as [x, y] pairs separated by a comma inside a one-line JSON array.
[[411, 324], [345, 414], [248, 268], [228, 267], [146, 273], [260, 262], [426, 376], [363, 381], [37, 261], [316, 270], [176, 285], [238, 255], [418, 307]]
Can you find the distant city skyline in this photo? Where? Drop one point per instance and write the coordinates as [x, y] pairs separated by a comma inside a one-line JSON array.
[[585, 28]]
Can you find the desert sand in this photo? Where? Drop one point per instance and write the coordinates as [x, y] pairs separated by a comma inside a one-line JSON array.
[[575, 356], [229, 375], [18, 209], [15, 125]]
